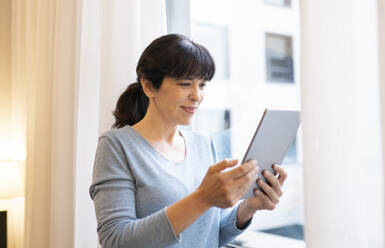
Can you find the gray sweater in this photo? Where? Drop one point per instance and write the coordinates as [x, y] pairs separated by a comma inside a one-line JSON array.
[[133, 184]]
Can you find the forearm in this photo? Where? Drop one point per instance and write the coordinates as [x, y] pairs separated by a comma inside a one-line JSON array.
[[244, 214], [184, 212]]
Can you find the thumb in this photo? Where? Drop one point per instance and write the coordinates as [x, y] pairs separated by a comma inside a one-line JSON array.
[[224, 164]]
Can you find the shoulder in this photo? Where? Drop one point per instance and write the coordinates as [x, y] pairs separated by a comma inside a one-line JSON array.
[[114, 133], [118, 136]]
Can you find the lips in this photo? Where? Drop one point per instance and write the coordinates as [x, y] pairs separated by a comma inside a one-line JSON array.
[[190, 110]]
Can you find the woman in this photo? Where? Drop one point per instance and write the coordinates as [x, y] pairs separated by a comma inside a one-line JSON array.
[[157, 186]]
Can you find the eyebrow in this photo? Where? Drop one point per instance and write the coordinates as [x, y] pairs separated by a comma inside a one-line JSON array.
[[191, 79]]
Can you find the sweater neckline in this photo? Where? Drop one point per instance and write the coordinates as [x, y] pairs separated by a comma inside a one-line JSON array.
[[151, 147]]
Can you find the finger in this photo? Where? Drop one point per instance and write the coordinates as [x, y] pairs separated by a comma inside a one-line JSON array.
[[266, 202], [282, 174], [268, 191], [244, 187], [274, 182], [240, 170], [224, 164], [247, 179]]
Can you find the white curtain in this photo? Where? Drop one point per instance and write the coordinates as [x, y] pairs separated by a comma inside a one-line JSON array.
[[70, 61], [343, 136], [127, 27], [113, 36]]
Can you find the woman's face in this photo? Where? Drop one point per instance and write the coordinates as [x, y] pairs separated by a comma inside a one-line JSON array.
[[178, 100]]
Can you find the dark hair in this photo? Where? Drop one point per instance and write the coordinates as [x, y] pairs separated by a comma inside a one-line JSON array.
[[171, 55]]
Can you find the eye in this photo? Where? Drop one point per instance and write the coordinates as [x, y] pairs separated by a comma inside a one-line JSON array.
[[184, 84], [203, 85]]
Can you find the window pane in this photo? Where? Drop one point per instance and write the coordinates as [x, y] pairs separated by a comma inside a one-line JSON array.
[[215, 39], [248, 54], [279, 58]]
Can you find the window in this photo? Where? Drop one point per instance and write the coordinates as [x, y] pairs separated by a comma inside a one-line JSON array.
[[279, 58], [247, 57]]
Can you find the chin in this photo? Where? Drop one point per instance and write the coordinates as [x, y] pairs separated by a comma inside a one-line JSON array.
[[185, 122]]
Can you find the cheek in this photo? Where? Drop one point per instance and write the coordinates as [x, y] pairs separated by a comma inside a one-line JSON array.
[[202, 96], [174, 101], [180, 98]]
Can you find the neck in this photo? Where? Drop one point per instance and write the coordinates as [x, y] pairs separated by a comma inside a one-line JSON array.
[[156, 128]]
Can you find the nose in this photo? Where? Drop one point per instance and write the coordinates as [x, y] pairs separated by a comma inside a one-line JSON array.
[[195, 94]]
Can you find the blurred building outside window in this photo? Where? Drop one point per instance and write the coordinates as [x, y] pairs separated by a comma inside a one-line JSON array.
[[279, 58]]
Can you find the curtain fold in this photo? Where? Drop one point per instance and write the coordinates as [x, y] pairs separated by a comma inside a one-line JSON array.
[[381, 31], [62, 119], [70, 61], [342, 129], [36, 40], [110, 44], [127, 28]]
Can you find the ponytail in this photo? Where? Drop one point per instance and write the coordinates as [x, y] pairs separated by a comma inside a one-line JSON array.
[[131, 106]]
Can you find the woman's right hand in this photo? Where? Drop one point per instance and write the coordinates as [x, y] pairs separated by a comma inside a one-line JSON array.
[[225, 189]]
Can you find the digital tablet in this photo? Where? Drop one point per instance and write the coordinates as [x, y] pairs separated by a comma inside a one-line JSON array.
[[275, 133]]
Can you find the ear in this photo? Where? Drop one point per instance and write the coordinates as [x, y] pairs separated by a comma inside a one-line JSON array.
[[147, 87]]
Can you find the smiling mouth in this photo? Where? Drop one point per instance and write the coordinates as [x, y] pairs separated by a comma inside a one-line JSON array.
[[190, 110]]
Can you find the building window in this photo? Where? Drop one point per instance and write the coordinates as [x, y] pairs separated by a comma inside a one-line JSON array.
[[284, 3], [216, 39], [279, 58]]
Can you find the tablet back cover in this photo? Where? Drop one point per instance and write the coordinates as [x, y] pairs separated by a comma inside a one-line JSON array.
[[272, 139]]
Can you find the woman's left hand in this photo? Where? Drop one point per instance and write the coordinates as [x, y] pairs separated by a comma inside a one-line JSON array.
[[268, 201], [270, 198]]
